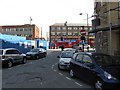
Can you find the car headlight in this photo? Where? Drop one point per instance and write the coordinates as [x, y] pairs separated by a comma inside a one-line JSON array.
[[109, 76], [62, 62]]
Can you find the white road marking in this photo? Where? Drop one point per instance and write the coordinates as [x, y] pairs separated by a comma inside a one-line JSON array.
[[55, 70], [52, 65], [78, 83], [68, 78], [60, 74]]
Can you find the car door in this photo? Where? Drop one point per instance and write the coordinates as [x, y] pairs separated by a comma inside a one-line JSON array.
[[19, 55], [11, 55], [89, 68], [78, 65]]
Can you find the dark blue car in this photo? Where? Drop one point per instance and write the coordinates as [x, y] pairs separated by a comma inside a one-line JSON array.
[[99, 69]]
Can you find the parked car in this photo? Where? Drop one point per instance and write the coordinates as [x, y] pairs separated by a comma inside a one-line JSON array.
[[70, 49], [36, 53], [97, 68], [10, 56], [64, 60]]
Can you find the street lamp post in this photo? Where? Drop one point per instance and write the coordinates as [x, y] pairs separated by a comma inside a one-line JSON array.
[[87, 16], [41, 33], [87, 27]]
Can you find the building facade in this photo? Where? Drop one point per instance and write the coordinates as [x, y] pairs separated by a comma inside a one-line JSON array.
[[108, 30], [68, 31], [26, 30]]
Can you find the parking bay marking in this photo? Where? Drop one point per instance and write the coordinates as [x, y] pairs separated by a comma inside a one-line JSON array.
[[78, 83], [66, 77], [60, 74], [55, 70]]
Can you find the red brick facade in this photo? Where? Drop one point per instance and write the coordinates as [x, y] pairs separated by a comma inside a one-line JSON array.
[[26, 30]]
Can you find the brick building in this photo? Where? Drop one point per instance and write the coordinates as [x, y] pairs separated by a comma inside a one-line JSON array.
[[108, 30], [26, 30], [68, 31]]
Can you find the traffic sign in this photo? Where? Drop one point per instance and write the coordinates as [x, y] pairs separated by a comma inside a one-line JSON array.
[[83, 32]]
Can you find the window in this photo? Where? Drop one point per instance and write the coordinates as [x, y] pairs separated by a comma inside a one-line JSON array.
[[21, 29], [12, 29], [63, 28], [53, 33], [7, 29], [58, 33], [75, 28], [26, 29], [52, 28], [4, 29], [90, 28], [17, 29], [16, 52], [85, 28], [9, 52], [75, 34], [74, 56], [79, 58], [86, 58], [80, 28], [69, 28], [64, 34], [58, 28], [69, 34], [29, 29], [87, 61], [12, 52]]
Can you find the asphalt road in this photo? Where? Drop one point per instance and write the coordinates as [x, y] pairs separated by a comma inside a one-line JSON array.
[[42, 73]]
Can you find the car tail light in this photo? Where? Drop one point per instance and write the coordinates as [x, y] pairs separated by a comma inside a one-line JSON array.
[[3, 57]]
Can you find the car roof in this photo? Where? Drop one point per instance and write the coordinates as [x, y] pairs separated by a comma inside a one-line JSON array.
[[92, 53], [67, 51]]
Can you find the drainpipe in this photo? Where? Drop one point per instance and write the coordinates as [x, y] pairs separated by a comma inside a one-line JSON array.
[[110, 26]]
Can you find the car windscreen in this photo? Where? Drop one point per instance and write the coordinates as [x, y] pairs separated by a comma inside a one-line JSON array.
[[34, 50], [1, 52], [66, 55], [105, 60]]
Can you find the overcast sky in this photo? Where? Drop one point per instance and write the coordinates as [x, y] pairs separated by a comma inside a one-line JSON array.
[[44, 12]]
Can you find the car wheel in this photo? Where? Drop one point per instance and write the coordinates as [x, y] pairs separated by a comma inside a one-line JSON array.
[[24, 60], [45, 55], [72, 75], [9, 64], [98, 84], [37, 57], [59, 67]]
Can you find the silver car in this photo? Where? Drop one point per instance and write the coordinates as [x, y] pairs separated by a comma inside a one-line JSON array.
[[10, 56], [64, 60]]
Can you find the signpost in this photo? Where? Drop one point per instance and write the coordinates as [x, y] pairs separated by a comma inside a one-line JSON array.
[[83, 32]]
